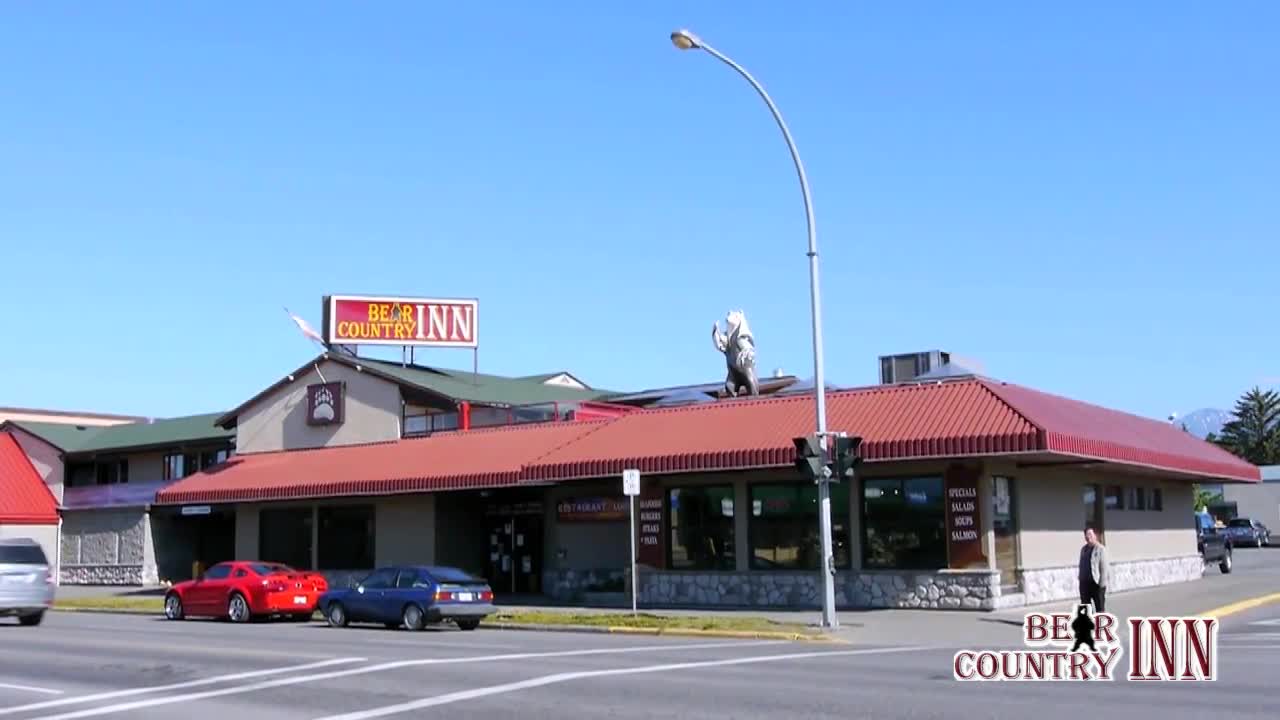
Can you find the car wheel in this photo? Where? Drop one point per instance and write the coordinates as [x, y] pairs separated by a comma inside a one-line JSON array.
[[238, 609], [173, 606], [1225, 565], [412, 617], [31, 620], [337, 615]]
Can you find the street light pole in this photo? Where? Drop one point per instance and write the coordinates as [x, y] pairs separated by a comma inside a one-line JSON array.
[[685, 40]]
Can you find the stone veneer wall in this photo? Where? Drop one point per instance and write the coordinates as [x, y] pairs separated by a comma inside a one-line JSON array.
[[939, 590], [571, 585], [947, 589], [1046, 584]]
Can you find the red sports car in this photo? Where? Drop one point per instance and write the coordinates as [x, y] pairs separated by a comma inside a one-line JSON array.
[[243, 590]]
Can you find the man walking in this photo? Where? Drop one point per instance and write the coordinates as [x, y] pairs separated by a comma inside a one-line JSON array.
[[1093, 571]]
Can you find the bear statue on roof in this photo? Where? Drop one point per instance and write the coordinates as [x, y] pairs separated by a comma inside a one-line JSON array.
[[739, 349]]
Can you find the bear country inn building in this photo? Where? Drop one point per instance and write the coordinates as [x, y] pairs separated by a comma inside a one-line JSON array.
[[972, 492]]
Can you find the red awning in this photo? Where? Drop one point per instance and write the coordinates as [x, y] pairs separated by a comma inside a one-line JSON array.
[[24, 497], [953, 419], [446, 461]]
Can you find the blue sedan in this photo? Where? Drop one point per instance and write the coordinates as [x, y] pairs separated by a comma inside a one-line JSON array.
[[411, 596]]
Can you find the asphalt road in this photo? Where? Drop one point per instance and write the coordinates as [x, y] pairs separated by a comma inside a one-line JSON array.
[[97, 665], [91, 665]]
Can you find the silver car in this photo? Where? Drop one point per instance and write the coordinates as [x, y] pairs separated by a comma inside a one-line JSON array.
[[26, 580]]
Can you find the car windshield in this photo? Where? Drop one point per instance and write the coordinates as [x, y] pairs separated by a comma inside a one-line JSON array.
[[1240, 522], [22, 555], [452, 575], [271, 568]]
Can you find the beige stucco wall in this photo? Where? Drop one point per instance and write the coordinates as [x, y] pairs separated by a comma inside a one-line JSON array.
[[278, 421], [46, 535], [45, 458], [404, 527], [1259, 502], [146, 468], [1051, 518]]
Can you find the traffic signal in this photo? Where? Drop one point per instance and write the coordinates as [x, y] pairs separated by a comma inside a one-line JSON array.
[[810, 458], [846, 455]]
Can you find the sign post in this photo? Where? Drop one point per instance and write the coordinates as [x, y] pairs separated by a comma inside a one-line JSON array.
[[631, 488]]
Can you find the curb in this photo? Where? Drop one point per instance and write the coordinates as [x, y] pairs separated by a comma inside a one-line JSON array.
[[1242, 605], [674, 632], [533, 627]]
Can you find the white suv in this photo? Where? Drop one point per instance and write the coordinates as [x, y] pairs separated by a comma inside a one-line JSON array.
[[26, 580]]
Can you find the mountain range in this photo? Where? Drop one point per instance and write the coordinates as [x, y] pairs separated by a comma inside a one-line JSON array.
[[1203, 421]]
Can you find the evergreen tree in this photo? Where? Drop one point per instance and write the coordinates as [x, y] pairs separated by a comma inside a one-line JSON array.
[[1253, 433]]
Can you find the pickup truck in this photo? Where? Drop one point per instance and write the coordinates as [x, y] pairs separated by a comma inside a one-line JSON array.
[[1213, 544]]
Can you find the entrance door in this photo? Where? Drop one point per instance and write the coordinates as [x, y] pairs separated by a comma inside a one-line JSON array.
[[515, 553], [1004, 523]]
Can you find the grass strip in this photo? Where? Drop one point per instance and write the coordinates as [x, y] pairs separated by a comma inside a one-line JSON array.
[[111, 602], [727, 623]]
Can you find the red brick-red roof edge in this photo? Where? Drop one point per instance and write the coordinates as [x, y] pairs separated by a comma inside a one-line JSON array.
[[1072, 427], [901, 422], [457, 460], [24, 497]]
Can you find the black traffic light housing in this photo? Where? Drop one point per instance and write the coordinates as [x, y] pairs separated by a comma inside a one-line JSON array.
[[810, 458], [846, 456]]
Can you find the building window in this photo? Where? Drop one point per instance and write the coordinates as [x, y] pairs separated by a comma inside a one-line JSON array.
[[174, 467], [701, 527], [904, 524], [112, 472], [1157, 499], [427, 423], [783, 526], [1115, 498], [346, 537], [284, 536], [1138, 498]]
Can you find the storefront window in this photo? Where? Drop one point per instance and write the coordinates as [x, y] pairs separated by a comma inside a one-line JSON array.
[[701, 527], [904, 524], [784, 526], [346, 537], [284, 536]]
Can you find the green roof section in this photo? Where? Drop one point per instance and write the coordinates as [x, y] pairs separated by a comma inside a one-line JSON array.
[[67, 437], [483, 388], [73, 439]]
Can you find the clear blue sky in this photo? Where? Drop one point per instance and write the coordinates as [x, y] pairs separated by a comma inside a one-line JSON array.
[[1085, 199]]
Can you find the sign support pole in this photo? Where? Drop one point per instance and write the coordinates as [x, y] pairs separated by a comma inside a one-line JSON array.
[[633, 555], [631, 488]]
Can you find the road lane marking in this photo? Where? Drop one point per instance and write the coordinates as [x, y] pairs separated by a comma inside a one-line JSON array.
[[175, 686], [267, 684], [570, 676], [1238, 607], [29, 688]]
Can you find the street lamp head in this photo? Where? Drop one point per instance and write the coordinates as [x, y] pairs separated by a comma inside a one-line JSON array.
[[685, 40]]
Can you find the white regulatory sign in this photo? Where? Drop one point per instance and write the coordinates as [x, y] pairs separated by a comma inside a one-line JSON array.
[[630, 482]]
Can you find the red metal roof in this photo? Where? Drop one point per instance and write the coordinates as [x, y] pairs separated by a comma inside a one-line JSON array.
[[24, 498], [1077, 428], [446, 461], [960, 418], [895, 422]]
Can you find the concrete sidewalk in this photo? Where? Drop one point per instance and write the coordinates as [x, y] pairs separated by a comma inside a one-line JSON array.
[[1257, 574]]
